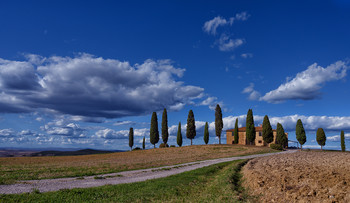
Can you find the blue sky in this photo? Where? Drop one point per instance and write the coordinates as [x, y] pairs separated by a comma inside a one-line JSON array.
[[80, 74]]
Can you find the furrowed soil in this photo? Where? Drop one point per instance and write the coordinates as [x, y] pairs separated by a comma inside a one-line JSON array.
[[32, 168], [307, 176]]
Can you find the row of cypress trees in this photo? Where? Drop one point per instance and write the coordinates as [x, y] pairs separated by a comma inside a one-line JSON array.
[[190, 130], [267, 132]]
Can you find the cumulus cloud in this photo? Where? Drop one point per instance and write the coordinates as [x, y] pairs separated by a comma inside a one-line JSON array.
[[62, 128], [225, 43], [212, 102], [6, 132], [108, 133], [253, 94], [211, 26], [86, 86], [306, 85]]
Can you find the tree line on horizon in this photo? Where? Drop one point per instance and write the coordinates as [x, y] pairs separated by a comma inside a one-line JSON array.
[[267, 132]]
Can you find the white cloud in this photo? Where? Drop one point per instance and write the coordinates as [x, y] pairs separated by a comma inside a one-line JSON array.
[[62, 127], [307, 84], [121, 123], [243, 16], [108, 133], [211, 26], [92, 88], [6, 132], [225, 43], [246, 55], [336, 138], [253, 94], [112, 134]]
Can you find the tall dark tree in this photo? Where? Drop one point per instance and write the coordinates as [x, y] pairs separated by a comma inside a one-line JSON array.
[[250, 128], [154, 133], [300, 133], [179, 135], [191, 126], [206, 133], [267, 133], [281, 137], [218, 122], [342, 141], [165, 133], [321, 137], [235, 132], [144, 143], [131, 138]]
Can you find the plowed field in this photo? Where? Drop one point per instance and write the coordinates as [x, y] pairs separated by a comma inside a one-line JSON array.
[[300, 177]]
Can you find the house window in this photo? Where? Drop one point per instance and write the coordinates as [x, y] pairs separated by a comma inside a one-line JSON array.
[[259, 133]]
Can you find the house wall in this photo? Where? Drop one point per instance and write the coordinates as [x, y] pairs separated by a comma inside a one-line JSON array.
[[229, 137], [259, 139], [243, 139]]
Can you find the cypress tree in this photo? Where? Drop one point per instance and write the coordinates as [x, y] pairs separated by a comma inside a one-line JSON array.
[[300, 133], [321, 137], [131, 138], [165, 133], [206, 133], [154, 133], [250, 128], [144, 143], [342, 141], [235, 132], [281, 137], [218, 122], [191, 126], [267, 133], [179, 135]]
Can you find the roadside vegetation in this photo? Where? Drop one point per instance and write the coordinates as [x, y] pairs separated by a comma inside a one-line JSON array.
[[216, 183], [32, 168]]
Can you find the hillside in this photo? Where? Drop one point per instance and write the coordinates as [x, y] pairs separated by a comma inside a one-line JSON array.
[[31, 168]]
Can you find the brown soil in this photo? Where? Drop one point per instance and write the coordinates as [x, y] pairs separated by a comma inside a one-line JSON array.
[[300, 177]]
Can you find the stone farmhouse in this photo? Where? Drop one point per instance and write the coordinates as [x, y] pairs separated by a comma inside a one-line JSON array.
[[242, 138]]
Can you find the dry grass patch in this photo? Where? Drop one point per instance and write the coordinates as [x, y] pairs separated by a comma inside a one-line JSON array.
[[29, 168]]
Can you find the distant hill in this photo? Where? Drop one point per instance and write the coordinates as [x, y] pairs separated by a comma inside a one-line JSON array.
[[71, 153]]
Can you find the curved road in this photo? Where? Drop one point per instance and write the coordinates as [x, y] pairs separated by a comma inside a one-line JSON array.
[[47, 185]]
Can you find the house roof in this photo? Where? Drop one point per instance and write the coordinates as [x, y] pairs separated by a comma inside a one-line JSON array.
[[242, 129]]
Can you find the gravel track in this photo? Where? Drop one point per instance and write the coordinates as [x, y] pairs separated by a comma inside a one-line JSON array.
[[47, 185]]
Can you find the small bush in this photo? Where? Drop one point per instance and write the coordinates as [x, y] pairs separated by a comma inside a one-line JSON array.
[[163, 145], [172, 146], [136, 148], [276, 146]]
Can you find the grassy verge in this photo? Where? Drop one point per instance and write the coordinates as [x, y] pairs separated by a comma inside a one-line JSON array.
[[216, 183], [32, 168]]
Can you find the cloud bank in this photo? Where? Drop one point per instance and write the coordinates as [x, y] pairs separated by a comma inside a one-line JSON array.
[[88, 87]]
